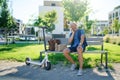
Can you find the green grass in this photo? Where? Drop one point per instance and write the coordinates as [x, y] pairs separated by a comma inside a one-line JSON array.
[[19, 52]]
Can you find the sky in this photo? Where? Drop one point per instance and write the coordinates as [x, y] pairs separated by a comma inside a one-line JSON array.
[[25, 9], [101, 8]]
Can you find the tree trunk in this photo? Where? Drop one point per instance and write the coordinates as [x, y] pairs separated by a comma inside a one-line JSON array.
[[119, 32], [6, 38], [13, 39], [39, 36]]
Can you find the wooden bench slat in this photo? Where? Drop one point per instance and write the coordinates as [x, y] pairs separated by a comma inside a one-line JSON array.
[[94, 43], [94, 39], [92, 51]]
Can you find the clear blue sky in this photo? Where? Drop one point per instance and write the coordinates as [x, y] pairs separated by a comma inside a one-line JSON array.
[[24, 9]]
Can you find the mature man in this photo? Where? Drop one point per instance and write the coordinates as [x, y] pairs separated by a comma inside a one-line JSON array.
[[78, 43]]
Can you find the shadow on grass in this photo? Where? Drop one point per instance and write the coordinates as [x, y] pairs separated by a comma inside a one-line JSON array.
[[5, 49]]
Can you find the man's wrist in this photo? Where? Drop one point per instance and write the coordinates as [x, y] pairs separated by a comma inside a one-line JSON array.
[[80, 44]]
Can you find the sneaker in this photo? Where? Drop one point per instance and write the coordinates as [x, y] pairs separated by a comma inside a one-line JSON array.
[[73, 66], [79, 72]]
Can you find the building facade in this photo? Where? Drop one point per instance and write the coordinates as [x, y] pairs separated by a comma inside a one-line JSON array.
[[50, 5], [115, 14], [53, 3], [17, 30], [99, 26]]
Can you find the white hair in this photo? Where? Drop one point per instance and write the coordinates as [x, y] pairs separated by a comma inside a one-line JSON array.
[[71, 23]]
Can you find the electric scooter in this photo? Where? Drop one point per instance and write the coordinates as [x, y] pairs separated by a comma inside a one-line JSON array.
[[45, 62]]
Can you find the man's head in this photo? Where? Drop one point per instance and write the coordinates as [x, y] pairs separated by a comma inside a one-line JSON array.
[[73, 26]]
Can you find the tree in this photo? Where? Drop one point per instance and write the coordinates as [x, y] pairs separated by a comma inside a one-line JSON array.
[[105, 31], [7, 22], [74, 10], [119, 27], [1, 1], [48, 20], [88, 25], [32, 31], [115, 25]]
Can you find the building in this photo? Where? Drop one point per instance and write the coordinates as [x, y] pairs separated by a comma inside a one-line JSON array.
[[20, 27], [99, 26], [53, 3], [115, 14], [50, 5], [17, 30]]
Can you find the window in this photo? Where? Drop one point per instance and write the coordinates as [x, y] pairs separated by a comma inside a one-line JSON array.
[[53, 4], [116, 14], [113, 15]]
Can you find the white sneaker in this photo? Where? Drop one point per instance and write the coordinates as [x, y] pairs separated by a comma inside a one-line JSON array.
[[79, 72], [73, 66]]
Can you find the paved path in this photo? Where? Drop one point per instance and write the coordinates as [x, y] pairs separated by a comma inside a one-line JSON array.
[[19, 71]]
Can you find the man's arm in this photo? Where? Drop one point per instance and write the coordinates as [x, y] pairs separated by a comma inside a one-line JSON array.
[[82, 37], [71, 38], [82, 40]]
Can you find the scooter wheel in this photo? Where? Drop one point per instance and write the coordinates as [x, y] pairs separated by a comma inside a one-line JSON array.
[[27, 59], [47, 65]]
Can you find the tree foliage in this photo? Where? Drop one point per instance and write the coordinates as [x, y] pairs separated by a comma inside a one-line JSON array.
[[48, 20], [32, 31], [1, 1], [74, 10], [115, 25], [7, 22]]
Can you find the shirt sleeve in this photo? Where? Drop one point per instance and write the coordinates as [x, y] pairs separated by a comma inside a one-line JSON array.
[[82, 32]]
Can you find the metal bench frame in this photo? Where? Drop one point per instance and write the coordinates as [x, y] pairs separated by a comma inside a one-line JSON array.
[[90, 41]]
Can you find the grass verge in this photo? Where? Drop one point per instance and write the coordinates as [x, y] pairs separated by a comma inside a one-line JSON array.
[[19, 52]]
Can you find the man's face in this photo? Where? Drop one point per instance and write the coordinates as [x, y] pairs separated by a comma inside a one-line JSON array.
[[73, 27]]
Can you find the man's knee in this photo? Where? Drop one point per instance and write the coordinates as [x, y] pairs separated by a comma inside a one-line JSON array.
[[80, 50], [66, 51]]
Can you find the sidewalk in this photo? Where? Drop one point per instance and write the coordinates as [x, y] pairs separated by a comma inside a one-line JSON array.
[[19, 71]]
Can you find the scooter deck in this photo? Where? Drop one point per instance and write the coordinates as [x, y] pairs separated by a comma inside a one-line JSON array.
[[34, 62]]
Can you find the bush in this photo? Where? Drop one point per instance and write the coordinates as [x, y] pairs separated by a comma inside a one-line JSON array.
[[17, 39], [119, 43], [112, 39], [114, 42], [107, 40]]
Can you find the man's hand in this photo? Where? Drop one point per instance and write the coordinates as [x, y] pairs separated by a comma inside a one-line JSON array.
[[79, 46]]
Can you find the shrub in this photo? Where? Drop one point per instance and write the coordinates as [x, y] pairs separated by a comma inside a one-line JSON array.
[[114, 42], [119, 43], [107, 40]]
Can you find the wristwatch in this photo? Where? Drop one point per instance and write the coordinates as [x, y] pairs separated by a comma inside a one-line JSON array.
[[80, 44]]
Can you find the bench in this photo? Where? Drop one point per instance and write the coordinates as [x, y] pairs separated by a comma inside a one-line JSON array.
[[90, 41]]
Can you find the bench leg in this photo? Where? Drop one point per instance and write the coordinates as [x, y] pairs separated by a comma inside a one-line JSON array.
[[101, 59], [106, 60], [40, 56]]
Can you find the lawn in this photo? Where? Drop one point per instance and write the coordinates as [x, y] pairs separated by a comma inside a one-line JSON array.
[[19, 52]]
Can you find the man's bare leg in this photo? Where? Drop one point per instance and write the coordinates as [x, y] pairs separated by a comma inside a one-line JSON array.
[[80, 57], [67, 55]]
